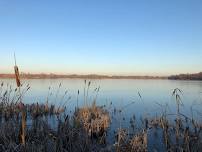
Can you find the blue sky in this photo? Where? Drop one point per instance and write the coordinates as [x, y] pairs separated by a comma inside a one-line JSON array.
[[114, 37]]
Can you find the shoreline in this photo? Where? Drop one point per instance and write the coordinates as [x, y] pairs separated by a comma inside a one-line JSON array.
[[74, 76], [193, 77]]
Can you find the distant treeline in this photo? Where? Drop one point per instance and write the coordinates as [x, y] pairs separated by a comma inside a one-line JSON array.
[[196, 76], [91, 76]]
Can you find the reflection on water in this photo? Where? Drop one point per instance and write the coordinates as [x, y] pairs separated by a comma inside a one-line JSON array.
[[135, 97], [119, 92]]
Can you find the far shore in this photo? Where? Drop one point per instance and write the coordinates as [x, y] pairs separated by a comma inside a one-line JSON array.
[[196, 76], [75, 76]]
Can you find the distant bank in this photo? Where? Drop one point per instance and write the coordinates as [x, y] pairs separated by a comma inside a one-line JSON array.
[[90, 76], [196, 76]]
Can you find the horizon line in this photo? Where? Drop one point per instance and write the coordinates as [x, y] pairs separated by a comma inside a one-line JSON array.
[[94, 74]]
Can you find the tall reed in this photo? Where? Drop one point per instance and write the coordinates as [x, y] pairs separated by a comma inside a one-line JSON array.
[[23, 124], [176, 93]]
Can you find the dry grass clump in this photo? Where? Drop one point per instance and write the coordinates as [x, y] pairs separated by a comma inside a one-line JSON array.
[[180, 135], [95, 120], [134, 143], [40, 110], [40, 137], [139, 142]]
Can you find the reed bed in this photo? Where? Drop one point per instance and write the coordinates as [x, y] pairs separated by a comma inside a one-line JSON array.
[[86, 130], [40, 135], [94, 119], [135, 143], [175, 132]]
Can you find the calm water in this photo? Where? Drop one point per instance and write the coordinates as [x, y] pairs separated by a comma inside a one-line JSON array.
[[119, 92], [123, 94]]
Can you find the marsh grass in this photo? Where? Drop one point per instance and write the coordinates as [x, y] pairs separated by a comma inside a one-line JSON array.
[[40, 136], [94, 119], [182, 134], [86, 130]]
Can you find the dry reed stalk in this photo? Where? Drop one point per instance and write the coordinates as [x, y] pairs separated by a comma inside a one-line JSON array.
[[176, 93], [23, 125], [77, 100]]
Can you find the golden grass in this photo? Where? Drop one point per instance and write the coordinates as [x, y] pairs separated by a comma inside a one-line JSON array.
[[94, 119]]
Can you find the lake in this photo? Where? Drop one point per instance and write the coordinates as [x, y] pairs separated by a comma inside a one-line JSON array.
[[118, 91], [141, 98]]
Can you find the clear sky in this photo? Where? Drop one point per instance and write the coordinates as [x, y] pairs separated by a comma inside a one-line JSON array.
[[122, 37]]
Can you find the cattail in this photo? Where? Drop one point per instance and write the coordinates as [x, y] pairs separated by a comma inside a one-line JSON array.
[[17, 75], [23, 125], [77, 99], [89, 83]]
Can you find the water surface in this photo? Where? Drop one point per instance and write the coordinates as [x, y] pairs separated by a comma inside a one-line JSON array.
[[139, 97]]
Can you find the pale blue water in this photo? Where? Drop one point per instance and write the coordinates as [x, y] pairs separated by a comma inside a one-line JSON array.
[[123, 94], [119, 92]]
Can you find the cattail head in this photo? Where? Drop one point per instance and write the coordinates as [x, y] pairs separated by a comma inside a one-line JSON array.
[[17, 75], [89, 83]]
